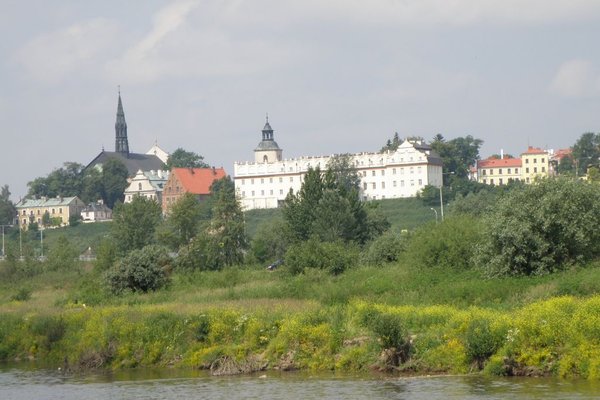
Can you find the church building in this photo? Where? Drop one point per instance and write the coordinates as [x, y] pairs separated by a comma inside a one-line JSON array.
[[154, 159], [265, 182]]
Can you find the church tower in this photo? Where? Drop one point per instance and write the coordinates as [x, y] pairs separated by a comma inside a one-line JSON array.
[[121, 143], [267, 150]]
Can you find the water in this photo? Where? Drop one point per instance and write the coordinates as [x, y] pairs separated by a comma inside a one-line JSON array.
[[18, 383]]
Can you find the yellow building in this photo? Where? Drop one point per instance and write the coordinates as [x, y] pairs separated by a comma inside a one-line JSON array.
[[59, 210], [498, 171], [536, 164]]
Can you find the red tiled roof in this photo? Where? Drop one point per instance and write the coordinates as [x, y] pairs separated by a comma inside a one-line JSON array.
[[534, 150], [499, 163], [198, 180], [561, 153]]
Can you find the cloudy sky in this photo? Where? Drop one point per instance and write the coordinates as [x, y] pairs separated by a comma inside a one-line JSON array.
[[334, 75]]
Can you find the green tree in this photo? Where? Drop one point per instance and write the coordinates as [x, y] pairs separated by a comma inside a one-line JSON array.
[[458, 154], [142, 270], [392, 144], [227, 227], [271, 240], [135, 223], [542, 227], [114, 181], [183, 221], [62, 256], [185, 159], [7, 208], [586, 152], [92, 186], [300, 209], [64, 181], [566, 166]]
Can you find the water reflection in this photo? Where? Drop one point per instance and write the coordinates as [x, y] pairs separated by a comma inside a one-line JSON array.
[[22, 383]]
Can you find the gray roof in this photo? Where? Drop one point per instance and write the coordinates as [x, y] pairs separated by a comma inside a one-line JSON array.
[[133, 161], [267, 145], [45, 202], [95, 207]]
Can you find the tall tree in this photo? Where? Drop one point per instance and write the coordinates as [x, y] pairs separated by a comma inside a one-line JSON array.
[[181, 158], [114, 181], [64, 181], [183, 221], [227, 227], [134, 223], [7, 208], [457, 154], [586, 152], [299, 209]]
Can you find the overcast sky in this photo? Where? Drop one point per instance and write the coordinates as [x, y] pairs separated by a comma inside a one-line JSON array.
[[334, 75]]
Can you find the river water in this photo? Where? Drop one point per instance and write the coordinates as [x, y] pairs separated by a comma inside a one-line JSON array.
[[38, 384]]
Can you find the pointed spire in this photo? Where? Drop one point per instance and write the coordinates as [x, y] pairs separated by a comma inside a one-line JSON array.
[[121, 142], [267, 131]]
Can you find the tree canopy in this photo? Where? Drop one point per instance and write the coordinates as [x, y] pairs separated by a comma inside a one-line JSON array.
[[181, 158], [457, 154], [7, 208], [134, 223], [586, 152]]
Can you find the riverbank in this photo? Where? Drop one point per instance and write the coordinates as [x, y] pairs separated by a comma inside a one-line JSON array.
[[559, 336]]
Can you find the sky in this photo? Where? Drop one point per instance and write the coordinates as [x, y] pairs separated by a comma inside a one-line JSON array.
[[334, 76]]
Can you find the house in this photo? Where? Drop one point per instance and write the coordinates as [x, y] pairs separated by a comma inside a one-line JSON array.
[[533, 163], [54, 211], [536, 164], [404, 172], [95, 212], [189, 180], [149, 184], [152, 160]]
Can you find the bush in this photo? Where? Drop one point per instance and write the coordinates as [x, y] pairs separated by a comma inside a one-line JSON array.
[[22, 294], [541, 228], [334, 257], [142, 270], [271, 241], [385, 249], [481, 341], [61, 256], [449, 244]]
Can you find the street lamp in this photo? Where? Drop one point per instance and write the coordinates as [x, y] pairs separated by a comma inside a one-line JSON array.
[[435, 211], [441, 196]]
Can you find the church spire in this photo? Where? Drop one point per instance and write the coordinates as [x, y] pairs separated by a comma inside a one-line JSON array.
[[121, 143], [267, 132]]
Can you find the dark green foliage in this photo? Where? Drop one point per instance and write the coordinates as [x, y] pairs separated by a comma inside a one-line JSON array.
[[7, 208], [566, 166], [64, 181], [22, 294], [114, 181], [62, 255], [449, 244], [271, 241], [541, 228], [50, 329], [392, 144], [385, 249], [140, 271], [185, 159], [457, 154], [134, 223], [475, 204], [586, 152], [74, 220], [299, 210], [182, 223], [481, 341], [201, 254], [334, 257], [388, 328]]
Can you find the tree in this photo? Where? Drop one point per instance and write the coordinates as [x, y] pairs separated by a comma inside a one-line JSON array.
[[92, 186], [227, 227], [114, 181], [457, 154], [392, 144], [185, 159], [566, 166], [62, 255], [183, 221], [7, 208], [142, 270], [134, 223], [64, 181], [299, 209], [539, 228], [586, 152]]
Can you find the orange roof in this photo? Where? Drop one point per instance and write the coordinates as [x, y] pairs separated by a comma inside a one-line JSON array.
[[534, 150], [198, 180], [499, 163], [561, 153]]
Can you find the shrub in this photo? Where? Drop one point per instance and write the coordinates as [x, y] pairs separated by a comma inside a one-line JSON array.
[[541, 228], [481, 341], [334, 257], [142, 270], [449, 244], [61, 256], [271, 241], [385, 249], [22, 294]]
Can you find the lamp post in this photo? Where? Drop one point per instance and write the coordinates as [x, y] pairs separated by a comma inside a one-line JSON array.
[[435, 211], [441, 196]]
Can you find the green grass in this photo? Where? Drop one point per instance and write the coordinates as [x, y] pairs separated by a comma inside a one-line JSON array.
[[409, 213]]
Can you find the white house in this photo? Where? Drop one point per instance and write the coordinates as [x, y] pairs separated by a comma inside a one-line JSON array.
[[95, 212], [149, 184], [404, 172]]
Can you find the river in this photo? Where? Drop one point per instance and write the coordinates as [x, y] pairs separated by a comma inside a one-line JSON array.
[[38, 384]]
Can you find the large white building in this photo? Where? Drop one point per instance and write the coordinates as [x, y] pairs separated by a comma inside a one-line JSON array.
[[404, 172]]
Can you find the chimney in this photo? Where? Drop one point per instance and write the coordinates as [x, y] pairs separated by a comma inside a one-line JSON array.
[[214, 171], [502, 154]]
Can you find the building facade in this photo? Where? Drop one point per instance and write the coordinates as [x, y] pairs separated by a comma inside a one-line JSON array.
[[58, 210], [533, 163], [149, 184], [189, 180], [96, 212], [404, 172]]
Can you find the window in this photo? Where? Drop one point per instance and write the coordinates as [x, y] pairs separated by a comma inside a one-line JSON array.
[[262, 192], [535, 170], [412, 182], [262, 180], [60, 210], [500, 181], [382, 172], [401, 183], [280, 180], [412, 170], [253, 193], [419, 170], [402, 171], [280, 191], [484, 181], [271, 192], [483, 172], [509, 170], [374, 185], [373, 173], [527, 161], [53, 211], [535, 160], [420, 182], [516, 170], [543, 169], [393, 171], [383, 185], [527, 170], [500, 171], [543, 160], [243, 181], [140, 186], [243, 193], [24, 212], [270, 180], [491, 181], [252, 181], [291, 179], [394, 184], [365, 186], [24, 220]]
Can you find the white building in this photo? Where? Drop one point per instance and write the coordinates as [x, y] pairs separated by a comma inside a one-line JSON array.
[[266, 182], [149, 184]]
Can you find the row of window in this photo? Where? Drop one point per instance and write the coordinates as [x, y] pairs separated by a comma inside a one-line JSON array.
[[535, 160], [394, 184], [509, 171], [39, 212], [262, 193]]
